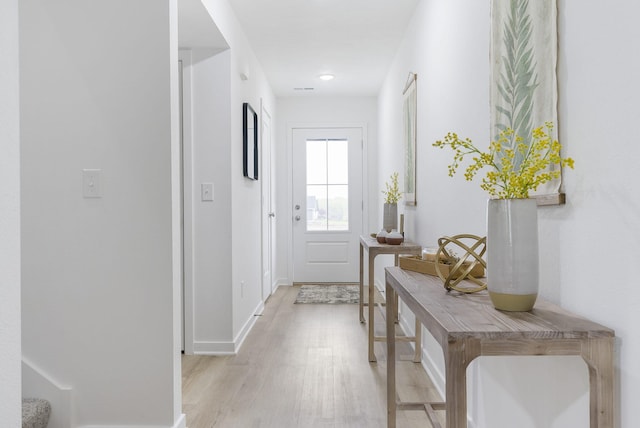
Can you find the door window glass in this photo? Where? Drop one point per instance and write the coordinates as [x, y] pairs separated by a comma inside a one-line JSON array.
[[327, 185]]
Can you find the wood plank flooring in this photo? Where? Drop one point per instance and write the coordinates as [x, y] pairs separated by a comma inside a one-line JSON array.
[[305, 366]]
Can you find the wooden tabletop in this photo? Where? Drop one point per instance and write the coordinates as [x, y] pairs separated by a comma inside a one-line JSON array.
[[453, 314]]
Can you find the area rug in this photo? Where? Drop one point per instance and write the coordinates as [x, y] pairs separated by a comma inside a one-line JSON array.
[[328, 293]]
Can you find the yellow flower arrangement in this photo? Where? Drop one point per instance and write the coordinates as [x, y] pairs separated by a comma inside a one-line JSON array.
[[510, 178], [392, 193]]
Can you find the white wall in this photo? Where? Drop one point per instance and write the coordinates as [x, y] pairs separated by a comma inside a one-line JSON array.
[[320, 111], [447, 45], [10, 393], [598, 113], [210, 160], [241, 228], [98, 281]]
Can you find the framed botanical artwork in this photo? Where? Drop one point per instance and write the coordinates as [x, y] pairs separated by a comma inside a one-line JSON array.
[[523, 81], [409, 118]]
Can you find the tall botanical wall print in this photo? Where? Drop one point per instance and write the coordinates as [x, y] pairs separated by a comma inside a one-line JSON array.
[[409, 117], [523, 53]]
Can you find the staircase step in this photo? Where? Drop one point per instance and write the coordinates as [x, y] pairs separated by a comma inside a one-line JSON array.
[[35, 413]]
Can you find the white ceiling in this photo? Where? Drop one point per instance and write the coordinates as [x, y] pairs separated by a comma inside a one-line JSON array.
[[297, 40]]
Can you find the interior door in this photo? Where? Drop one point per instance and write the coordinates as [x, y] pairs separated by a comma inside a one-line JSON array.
[[327, 204], [268, 214]]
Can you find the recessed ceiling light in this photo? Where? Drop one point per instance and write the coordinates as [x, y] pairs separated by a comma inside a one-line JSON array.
[[327, 77]]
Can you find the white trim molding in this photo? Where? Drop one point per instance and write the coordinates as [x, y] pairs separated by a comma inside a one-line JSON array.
[[37, 384], [232, 347]]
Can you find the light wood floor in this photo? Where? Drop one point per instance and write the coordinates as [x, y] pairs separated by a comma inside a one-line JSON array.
[[302, 366]]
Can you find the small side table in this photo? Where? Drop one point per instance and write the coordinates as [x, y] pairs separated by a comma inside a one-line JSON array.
[[374, 248]]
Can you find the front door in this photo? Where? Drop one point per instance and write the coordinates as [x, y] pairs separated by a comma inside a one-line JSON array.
[[327, 203]]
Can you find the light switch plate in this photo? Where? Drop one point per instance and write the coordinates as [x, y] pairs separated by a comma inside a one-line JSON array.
[[91, 187], [206, 190]]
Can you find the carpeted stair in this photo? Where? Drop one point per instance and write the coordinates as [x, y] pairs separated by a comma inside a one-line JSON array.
[[35, 413]]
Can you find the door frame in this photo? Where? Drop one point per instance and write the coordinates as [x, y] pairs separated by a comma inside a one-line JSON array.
[[185, 57], [267, 205], [365, 182]]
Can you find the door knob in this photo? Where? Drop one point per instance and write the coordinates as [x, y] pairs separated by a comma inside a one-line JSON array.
[[297, 207], [297, 218], [272, 214]]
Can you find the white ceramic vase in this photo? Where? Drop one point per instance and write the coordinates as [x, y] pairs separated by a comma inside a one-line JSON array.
[[512, 253], [390, 217]]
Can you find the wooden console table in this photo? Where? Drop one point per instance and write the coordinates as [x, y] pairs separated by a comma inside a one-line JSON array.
[[374, 248], [467, 326]]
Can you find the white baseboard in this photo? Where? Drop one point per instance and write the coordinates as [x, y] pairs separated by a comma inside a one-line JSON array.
[[213, 348], [379, 285], [282, 282], [37, 384], [248, 325], [180, 423], [229, 348]]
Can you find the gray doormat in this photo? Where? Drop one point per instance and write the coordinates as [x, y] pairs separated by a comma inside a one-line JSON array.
[[328, 293]]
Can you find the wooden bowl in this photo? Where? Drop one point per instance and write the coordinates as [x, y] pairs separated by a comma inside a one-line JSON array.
[[394, 241]]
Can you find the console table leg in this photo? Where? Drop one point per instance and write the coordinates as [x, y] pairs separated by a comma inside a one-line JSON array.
[[391, 360], [598, 354], [457, 356], [372, 305], [361, 283], [396, 301]]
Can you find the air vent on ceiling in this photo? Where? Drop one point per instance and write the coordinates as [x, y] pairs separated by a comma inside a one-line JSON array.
[[303, 89]]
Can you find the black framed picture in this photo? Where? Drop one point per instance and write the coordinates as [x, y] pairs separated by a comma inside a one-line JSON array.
[[250, 142]]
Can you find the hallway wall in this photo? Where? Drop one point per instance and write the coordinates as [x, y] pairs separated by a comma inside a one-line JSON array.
[[209, 157], [244, 233], [97, 274], [10, 392], [447, 44], [103, 272]]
